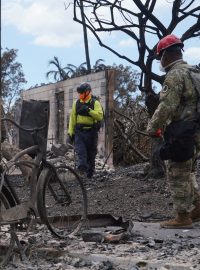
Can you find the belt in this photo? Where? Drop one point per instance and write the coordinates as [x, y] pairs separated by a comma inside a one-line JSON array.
[[84, 127]]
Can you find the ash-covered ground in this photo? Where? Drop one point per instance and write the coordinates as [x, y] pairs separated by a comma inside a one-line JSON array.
[[126, 193]]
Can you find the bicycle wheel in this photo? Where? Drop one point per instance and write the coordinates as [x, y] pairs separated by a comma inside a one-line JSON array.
[[61, 200], [7, 240]]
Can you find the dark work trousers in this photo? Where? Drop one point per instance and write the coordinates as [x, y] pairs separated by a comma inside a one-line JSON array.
[[86, 149]]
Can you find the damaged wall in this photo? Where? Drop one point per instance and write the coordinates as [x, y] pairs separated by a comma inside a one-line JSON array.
[[61, 96]]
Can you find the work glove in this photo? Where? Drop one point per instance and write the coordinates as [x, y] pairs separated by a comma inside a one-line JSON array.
[[84, 110], [70, 139], [158, 133]]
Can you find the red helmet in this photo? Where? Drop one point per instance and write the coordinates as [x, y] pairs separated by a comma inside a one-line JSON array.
[[167, 42]]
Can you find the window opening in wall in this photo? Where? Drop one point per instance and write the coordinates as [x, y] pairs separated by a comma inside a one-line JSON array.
[[70, 97], [103, 88]]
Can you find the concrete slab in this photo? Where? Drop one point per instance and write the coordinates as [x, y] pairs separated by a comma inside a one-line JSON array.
[[149, 247], [130, 263], [153, 230]]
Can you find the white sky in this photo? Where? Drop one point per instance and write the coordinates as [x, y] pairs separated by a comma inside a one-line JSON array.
[[42, 29]]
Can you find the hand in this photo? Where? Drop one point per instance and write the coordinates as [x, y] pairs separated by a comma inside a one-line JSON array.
[[70, 139], [84, 110], [158, 133]]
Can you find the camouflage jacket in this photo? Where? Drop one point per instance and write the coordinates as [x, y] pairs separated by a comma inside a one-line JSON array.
[[178, 98]]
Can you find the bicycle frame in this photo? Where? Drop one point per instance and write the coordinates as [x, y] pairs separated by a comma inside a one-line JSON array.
[[42, 178], [34, 164], [33, 178], [38, 164]]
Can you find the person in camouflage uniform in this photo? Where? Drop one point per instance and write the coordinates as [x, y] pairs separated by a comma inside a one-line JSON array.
[[178, 101]]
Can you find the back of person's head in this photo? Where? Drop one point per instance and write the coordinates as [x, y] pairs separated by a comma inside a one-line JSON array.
[[170, 43]]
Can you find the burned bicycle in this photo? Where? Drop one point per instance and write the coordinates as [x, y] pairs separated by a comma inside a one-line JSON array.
[[57, 195]]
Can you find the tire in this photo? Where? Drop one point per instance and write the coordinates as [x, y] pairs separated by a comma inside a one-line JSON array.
[[6, 193], [62, 211], [7, 240]]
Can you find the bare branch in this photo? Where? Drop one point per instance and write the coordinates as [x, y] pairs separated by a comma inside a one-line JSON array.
[[139, 23], [144, 158], [136, 130]]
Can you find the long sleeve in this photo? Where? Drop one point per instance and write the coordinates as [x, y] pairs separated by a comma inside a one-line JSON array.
[[72, 120], [170, 97], [97, 113]]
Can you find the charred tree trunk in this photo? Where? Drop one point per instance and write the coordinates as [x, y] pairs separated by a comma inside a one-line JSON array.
[[0, 128], [157, 166]]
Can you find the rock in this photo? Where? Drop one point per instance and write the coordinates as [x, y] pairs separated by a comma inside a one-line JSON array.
[[59, 149], [92, 236], [114, 238]]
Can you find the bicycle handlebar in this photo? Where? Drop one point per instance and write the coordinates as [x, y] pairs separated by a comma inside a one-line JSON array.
[[22, 128]]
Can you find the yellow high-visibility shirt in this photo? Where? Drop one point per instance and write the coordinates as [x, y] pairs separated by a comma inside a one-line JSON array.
[[95, 115]]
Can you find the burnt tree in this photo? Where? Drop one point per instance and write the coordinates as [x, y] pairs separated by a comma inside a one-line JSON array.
[[139, 20]]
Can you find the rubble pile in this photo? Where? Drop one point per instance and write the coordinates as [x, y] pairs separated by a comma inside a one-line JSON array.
[[126, 193], [67, 154], [180, 250]]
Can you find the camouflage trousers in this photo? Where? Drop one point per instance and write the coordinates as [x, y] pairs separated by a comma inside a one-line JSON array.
[[183, 184]]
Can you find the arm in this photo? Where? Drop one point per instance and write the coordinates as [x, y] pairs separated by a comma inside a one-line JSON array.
[[97, 113], [170, 97], [72, 120]]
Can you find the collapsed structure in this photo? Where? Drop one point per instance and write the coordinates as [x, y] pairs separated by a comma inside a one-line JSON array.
[[61, 95]]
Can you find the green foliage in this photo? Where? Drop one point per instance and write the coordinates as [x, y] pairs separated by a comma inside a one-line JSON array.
[[12, 77], [126, 88], [72, 71], [98, 66], [127, 79], [59, 74]]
